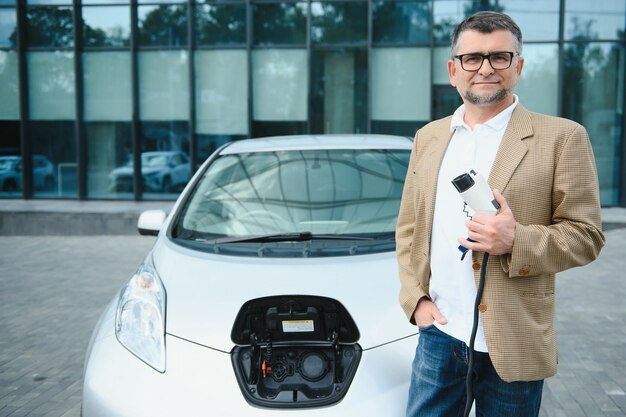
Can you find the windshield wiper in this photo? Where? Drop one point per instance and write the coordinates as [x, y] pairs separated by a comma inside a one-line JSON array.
[[287, 237]]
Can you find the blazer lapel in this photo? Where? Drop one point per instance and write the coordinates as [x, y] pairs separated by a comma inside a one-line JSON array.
[[436, 149], [512, 148]]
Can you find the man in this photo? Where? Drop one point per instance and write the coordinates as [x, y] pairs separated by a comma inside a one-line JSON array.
[[543, 176]]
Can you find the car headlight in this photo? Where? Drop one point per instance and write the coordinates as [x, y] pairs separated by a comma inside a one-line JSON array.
[[140, 316]]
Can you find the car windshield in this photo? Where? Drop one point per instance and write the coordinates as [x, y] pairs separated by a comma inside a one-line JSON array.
[[306, 194]]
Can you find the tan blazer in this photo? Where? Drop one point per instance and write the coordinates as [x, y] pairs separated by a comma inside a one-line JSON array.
[[545, 169]]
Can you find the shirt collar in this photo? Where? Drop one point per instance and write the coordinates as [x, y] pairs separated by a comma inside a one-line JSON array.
[[497, 123]]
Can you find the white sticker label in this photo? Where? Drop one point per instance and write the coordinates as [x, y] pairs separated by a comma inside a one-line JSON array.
[[293, 326]]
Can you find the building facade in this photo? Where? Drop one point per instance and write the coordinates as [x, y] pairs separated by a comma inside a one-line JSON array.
[[123, 99]]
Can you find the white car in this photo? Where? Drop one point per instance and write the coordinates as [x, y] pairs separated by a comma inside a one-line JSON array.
[[271, 290]]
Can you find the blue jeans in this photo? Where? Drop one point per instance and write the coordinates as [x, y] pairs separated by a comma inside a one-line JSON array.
[[438, 382]]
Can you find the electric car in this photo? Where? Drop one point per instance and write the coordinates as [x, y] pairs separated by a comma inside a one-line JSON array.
[[271, 289]]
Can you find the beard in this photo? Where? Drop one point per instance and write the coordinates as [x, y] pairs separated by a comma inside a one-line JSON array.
[[496, 97]]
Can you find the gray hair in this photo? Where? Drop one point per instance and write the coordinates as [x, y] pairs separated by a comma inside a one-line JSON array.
[[487, 22]]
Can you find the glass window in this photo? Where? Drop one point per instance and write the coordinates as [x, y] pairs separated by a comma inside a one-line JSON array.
[[162, 25], [54, 165], [161, 1], [105, 2], [109, 148], [261, 129], [49, 26], [220, 25], [446, 100], [207, 144], [165, 165], [447, 14], [538, 19], [68, 2], [51, 85], [279, 81], [9, 86], [595, 20], [339, 22], [594, 78], [399, 128], [281, 23], [400, 84], [10, 161], [441, 56], [401, 22], [106, 26], [164, 108], [538, 87], [8, 34], [339, 91], [163, 85], [107, 86], [221, 99], [221, 92]]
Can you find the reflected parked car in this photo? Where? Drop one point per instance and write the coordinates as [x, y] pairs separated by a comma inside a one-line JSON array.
[[161, 171], [271, 290], [44, 175]]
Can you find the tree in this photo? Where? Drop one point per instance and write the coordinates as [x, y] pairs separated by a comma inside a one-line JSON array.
[[164, 26], [47, 26]]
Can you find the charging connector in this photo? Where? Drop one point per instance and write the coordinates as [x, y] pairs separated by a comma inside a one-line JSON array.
[[477, 194]]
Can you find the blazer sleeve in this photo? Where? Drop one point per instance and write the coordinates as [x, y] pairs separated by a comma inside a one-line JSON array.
[[411, 291], [575, 236]]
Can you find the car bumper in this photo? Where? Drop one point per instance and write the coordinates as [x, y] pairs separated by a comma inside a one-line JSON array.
[[200, 381]]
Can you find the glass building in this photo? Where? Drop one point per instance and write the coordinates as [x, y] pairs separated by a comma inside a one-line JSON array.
[[111, 99]]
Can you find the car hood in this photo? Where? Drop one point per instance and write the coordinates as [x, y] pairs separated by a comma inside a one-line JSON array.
[[206, 291]]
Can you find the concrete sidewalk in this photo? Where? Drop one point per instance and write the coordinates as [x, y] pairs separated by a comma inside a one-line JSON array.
[[72, 217]]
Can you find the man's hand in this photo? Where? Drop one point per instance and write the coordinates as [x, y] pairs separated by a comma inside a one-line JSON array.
[[426, 313], [492, 234]]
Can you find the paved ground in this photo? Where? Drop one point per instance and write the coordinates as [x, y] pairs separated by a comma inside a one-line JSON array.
[[53, 288], [52, 291]]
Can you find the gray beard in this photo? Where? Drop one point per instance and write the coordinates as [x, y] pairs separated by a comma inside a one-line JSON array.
[[496, 97]]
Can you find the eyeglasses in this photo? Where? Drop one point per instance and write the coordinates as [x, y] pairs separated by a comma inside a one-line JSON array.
[[497, 60]]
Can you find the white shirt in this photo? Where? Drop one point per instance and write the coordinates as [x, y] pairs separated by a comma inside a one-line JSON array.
[[452, 286]]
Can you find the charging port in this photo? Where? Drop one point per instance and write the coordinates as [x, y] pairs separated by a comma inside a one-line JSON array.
[[294, 351]]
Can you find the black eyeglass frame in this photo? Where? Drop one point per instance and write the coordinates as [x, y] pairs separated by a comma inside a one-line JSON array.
[[488, 58]]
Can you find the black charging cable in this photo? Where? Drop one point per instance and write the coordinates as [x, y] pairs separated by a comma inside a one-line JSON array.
[[470, 360]]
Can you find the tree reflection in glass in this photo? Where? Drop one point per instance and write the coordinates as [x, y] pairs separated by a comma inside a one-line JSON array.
[[401, 22], [335, 23], [446, 15], [163, 25], [283, 23], [7, 27], [49, 26], [218, 24]]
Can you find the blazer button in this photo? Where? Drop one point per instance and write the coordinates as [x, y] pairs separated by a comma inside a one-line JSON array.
[[525, 270], [476, 266], [482, 307]]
